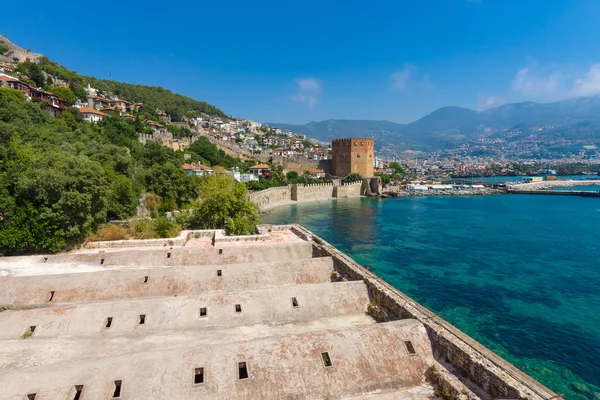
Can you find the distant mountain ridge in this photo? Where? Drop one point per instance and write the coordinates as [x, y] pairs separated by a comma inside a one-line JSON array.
[[449, 126]]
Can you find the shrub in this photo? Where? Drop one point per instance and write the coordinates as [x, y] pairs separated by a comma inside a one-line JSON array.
[[108, 232]]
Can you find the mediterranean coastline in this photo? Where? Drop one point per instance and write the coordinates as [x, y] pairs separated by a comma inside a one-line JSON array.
[[515, 272]]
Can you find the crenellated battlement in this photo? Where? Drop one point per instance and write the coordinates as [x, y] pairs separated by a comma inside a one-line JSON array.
[[353, 155]]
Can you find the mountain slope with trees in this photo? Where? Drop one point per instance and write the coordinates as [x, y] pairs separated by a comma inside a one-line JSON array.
[[61, 178]]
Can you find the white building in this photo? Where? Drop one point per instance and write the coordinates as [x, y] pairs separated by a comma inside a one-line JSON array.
[[91, 115]]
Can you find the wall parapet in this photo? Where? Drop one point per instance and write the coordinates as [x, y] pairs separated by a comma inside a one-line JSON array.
[[217, 236], [472, 360]]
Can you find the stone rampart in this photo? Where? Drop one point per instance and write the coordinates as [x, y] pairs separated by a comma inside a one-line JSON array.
[[317, 191], [348, 190], [271, 197], [474, 363]]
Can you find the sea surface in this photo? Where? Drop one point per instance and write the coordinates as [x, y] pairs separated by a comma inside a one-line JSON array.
[[519, 273]]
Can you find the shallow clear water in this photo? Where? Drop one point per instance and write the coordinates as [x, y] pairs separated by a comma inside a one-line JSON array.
[[519, 273]]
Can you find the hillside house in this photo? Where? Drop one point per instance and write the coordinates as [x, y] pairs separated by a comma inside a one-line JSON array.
[[97, 101], [317, 173], [91, 115], [197, 169], [55, 102], [261, 170], [13, 83]]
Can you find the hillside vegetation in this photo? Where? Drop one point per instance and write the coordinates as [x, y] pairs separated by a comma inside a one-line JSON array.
[[152, 97], [61, 178]]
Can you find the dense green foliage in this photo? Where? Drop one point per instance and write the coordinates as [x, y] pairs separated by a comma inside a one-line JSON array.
[[3, 47], [210, 154], [223, 204], [151, 96], [61, 177], [33, 71], [353, 177], [154, 97]]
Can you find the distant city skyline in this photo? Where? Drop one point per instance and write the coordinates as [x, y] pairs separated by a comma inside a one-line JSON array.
[[291, 63]]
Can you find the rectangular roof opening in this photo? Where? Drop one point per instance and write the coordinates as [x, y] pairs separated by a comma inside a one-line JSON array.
[[145, 279], [294, 302], [198, 376], [242, 371], [51, 295], [238, 308], [219, 272], [410, 347], [203, 311], [142, 320], [117, 392], [31, 396], [326, 359], [78, 390], [108, 323]]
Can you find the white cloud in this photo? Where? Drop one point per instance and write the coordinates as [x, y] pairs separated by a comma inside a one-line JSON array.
[[309, 90], [533, 82], [589, 84], [400, 78], [486, 102], [410, 76]]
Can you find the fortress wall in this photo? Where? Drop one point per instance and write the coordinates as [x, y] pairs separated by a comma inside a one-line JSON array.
[[114, 283], [348, 190], [317, 191], [266, 306], [271, 197], [474, 362], [365, 359]]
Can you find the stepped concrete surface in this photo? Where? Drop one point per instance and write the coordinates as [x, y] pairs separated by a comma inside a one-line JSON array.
[[277, 315]]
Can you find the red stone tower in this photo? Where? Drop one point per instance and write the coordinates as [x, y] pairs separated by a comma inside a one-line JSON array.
[[353, 155]]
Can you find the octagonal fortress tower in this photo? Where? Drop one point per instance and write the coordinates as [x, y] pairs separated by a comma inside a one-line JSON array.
[[353, 155]]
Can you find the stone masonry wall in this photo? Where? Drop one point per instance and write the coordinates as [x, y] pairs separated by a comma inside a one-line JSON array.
[[271, 197], [473, 363], [348, 190], [318, 191], [353, 155]]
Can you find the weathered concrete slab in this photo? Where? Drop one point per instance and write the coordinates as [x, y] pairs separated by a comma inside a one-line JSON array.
[[124, 282], [267, 306], [366, 359]]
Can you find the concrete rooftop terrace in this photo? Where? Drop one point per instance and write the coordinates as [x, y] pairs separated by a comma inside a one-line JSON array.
[[277, 315]]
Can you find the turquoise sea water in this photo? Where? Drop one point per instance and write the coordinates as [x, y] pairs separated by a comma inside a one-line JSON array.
[[519, 273]]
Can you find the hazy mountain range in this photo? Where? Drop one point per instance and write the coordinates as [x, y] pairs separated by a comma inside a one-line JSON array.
[[449, 126]]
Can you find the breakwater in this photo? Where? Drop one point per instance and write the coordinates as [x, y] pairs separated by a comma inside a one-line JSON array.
[[532, 186]]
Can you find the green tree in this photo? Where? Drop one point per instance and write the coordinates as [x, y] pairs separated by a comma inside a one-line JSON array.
[[292, 176], [353, 177], [64, 93], [3, 47], [224, 204]]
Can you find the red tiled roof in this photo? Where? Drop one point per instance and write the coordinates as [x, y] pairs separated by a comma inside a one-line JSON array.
[[6, 78], [260, 166], [88, 110], [316, 171], [196, 167]]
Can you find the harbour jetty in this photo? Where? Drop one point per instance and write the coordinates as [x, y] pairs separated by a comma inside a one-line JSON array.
[[543, 185]]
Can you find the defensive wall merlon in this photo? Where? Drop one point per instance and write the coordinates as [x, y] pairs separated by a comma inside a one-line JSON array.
[[349, 141]]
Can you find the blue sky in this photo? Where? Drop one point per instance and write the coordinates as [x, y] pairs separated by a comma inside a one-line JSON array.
[[295, 62]]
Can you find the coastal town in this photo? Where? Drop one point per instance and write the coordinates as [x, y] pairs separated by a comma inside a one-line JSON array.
[[242, 206]]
